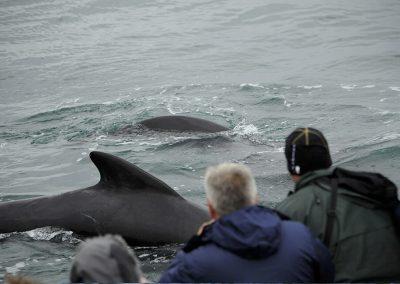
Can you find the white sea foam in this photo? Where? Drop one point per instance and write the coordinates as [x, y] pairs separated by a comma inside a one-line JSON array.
[[49, 233], [93, 147], [16, 268], [187, 167], [173, 111], [128, 143], [245, 86], [68, 103], [385, 138], [276, 150], [143, 143], [37, 135], [286, 103], [391, 136], [246, 129], [227, 109], [368, 86], [5, 236], [101, 137], [161, 259], [41, 235], [348, 87], [311, 87], [397, 89]]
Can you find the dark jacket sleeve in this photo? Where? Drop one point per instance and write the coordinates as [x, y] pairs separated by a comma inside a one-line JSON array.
[[178, 271], [324, 268]]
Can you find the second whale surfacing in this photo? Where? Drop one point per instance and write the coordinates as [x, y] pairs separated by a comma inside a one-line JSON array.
[[126, 201], [182, 123]]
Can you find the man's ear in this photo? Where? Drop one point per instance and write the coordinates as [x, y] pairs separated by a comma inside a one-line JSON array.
[[213, 213], [295, 178]]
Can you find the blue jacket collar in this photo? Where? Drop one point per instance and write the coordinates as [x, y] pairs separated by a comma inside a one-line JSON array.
[[252, 232]]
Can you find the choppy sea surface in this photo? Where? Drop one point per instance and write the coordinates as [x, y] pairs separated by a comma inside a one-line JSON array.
[[75, 74]]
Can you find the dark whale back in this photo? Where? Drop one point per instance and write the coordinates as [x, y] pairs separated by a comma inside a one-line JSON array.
[[126, 201], [182, 123]]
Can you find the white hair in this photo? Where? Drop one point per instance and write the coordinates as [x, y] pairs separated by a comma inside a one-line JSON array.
[[230, 187]]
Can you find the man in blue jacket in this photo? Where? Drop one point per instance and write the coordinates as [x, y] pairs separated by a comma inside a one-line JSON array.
[[245, 242]]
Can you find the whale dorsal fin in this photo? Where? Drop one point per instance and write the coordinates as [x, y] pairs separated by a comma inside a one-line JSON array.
[[116, 172]]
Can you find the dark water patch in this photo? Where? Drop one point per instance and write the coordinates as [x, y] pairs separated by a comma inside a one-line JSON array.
[[68, 112], [71, 133], [37, 259], [124, 129], [386, 115], [384, 160], [14, 135], [5, 198], [49, 251], [155, 260], [273, 189], [266, 161], [45, 136], [195, 142], [49, 135], [345, 107], [272, 101], [377, 143]]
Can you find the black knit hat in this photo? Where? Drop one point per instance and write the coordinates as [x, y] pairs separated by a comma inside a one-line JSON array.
[[306, 150]]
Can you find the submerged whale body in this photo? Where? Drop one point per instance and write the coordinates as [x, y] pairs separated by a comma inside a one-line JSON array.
[[181, 123], [126, 201]]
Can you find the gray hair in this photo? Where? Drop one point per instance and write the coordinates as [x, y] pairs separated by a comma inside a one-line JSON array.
[[230, 187], [106, 259]]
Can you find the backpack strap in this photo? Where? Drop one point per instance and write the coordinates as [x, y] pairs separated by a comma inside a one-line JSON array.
[[331, 212], [282, 216]]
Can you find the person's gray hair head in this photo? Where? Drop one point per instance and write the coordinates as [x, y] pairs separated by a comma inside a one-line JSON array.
[[230, 187], [106, 259]]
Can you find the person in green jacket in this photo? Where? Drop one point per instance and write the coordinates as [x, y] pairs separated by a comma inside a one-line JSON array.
[[351, 212]]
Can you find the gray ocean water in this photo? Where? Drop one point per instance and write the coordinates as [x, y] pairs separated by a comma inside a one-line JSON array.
[[73, 74]]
